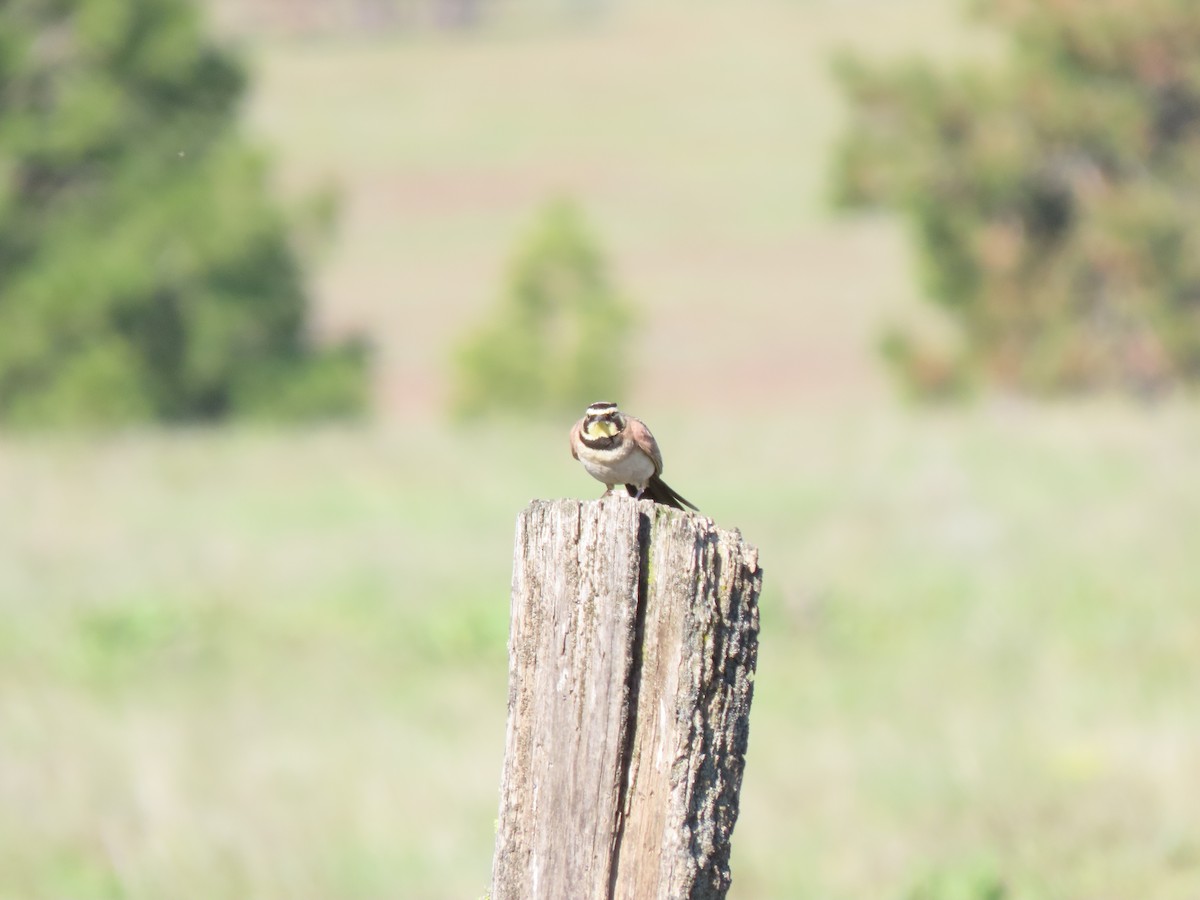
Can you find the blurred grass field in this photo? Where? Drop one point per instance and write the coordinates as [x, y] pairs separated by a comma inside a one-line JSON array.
[[244, 664], [250, 663]]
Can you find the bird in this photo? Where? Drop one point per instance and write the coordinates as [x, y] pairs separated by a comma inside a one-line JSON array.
[[619, 449]]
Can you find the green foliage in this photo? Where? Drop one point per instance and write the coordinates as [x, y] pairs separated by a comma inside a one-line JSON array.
[[559, 336], [1054, 200], [971, 880], [144, 271], [925, 373]]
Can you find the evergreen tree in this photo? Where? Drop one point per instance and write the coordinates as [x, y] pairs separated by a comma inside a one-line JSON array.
[[145, 273], [559, 335], [1055, 200]]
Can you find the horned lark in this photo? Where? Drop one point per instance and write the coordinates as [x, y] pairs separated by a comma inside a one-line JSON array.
[[619, 449]]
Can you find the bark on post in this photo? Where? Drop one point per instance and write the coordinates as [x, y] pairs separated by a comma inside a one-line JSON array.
[[633, 642]]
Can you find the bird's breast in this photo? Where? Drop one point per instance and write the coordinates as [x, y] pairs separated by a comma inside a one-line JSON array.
[[623, 464]]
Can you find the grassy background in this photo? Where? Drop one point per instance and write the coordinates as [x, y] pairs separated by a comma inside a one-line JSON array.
[[260, 664]]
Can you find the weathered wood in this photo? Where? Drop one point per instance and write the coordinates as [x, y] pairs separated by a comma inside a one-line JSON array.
[[633, 642]]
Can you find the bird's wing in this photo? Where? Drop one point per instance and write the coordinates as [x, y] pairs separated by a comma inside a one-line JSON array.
[[642, 437], [576, 437]]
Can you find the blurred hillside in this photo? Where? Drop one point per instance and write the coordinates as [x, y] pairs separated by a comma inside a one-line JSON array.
[[694, 135]]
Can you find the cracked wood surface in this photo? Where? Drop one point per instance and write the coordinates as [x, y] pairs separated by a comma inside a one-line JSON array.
[[632, 646]]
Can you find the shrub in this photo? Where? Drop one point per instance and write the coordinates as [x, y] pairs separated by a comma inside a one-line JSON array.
[[559, 336], [1055, 200], [145, 273]]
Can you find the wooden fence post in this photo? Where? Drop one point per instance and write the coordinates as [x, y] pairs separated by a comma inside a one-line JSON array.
[[633, 642]]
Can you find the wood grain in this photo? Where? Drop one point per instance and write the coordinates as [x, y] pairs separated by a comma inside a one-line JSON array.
[[632, 649]]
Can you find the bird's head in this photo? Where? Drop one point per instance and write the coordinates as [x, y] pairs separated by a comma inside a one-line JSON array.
[[602, 420]]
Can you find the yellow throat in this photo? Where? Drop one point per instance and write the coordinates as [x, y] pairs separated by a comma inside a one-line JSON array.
[[600, 428]]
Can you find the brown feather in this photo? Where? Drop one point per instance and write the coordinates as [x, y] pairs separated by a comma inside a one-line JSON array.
[[576, 432], [636, 429]]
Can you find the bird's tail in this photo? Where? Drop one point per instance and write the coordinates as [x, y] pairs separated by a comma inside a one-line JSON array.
[[661, 492]]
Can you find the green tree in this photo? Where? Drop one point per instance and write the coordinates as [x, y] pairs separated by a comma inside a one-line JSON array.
[[1055, 199], [145, 273], [559, 336]]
